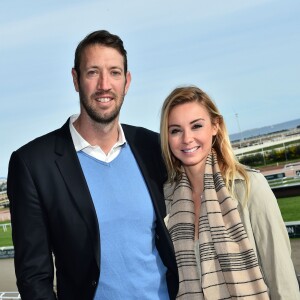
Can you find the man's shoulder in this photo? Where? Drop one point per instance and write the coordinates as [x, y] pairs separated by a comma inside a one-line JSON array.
[[135, 134], [138, 130], [141, 138], [42, 141]]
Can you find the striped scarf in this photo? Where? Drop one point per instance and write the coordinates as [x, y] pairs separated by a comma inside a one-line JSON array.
[[221, 264]]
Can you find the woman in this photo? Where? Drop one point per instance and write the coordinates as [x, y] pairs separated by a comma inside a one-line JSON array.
[[229, 237]]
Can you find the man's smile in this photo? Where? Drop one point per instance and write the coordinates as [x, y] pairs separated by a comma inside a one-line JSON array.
[[104, 99]]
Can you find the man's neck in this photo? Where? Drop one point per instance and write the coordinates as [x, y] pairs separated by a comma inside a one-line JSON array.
[[103, 135]]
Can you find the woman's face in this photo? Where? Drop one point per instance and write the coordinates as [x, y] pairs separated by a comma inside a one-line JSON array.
[[190, 134]]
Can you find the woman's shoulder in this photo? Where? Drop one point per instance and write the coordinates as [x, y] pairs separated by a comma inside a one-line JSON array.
[[260, 194], [256, 177], [253, 174], [257, 186]]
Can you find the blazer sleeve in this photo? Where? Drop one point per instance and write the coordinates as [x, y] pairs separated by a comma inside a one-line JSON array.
[[33, 258], [272, 241]]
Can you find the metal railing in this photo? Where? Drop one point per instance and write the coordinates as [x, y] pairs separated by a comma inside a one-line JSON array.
[[9, 295], [284, 181], [4, 227]]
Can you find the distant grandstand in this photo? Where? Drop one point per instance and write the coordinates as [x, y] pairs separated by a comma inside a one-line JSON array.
[[244, 146]]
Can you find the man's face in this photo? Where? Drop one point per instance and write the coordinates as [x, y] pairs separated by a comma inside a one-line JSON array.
[[102, 84]]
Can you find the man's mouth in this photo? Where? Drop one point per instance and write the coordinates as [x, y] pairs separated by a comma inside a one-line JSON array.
[[190, 150], [104, 99]]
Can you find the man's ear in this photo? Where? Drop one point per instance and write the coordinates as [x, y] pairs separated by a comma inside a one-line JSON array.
[[127, 82], [75, 79]]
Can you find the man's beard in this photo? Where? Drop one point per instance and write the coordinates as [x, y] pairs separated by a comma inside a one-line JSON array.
[[95, 115]]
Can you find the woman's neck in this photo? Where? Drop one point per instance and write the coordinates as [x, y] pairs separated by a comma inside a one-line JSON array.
[[196, 178]]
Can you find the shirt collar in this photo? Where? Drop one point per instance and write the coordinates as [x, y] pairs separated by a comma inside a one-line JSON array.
[[80, 143]]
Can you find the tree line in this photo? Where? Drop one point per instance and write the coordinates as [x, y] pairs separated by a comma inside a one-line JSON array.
[[270, 157]]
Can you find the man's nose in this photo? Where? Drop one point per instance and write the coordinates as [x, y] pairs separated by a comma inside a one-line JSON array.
[[103, 82]]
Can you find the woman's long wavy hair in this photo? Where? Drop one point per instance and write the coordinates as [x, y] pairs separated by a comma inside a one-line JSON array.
[[228, 162]]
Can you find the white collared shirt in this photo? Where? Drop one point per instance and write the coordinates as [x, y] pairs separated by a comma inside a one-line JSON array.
[[95, 151]]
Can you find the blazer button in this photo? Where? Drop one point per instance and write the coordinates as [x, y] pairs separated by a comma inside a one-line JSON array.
[[157, 236], [94, 283]]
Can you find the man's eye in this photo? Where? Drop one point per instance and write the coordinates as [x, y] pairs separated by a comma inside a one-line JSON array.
[[92, 73], [116, 73]]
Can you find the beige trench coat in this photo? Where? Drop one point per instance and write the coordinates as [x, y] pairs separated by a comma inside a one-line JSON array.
[[269, 238]]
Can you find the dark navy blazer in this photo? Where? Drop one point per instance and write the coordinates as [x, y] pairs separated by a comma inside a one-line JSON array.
[[52, 211]]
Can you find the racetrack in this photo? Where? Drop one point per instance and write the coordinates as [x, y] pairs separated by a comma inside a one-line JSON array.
[[7, 275]]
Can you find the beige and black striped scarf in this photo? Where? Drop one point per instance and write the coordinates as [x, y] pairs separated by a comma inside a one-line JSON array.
[[222, 263]]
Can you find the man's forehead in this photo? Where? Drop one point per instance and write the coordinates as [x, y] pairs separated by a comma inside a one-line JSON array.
[[99, 53]]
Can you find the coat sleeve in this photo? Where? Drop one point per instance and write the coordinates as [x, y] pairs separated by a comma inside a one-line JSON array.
[[33, 258], [272, 241]]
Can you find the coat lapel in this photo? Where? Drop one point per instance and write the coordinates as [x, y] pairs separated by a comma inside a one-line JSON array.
[[152, 169], [70, 169], [142, 153]]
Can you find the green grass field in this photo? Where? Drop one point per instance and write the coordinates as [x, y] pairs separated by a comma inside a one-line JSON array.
[[5, 236], [289, 207]]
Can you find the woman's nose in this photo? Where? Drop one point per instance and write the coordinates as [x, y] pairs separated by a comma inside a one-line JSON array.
[[187, 137]]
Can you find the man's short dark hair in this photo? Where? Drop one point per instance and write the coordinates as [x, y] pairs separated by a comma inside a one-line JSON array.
[[103, 38]]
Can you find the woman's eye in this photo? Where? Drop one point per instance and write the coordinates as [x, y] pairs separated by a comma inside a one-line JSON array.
[[174, 131], [197, 126]]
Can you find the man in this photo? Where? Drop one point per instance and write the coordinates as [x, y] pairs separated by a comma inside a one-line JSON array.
[[90, 193]]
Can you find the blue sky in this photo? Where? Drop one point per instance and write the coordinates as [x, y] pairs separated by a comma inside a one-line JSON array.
[[244, 54]]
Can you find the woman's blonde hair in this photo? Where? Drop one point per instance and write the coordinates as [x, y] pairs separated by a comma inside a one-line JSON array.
[[228, 162]]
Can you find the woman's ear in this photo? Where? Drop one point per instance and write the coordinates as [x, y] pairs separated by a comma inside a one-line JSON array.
[[215, 128]]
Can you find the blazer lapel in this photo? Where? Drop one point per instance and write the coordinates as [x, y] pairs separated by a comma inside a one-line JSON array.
[[70, 169], [142, 154], [142, 150]]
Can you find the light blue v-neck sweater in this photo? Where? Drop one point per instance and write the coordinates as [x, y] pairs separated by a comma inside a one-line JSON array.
[[131, 267]]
